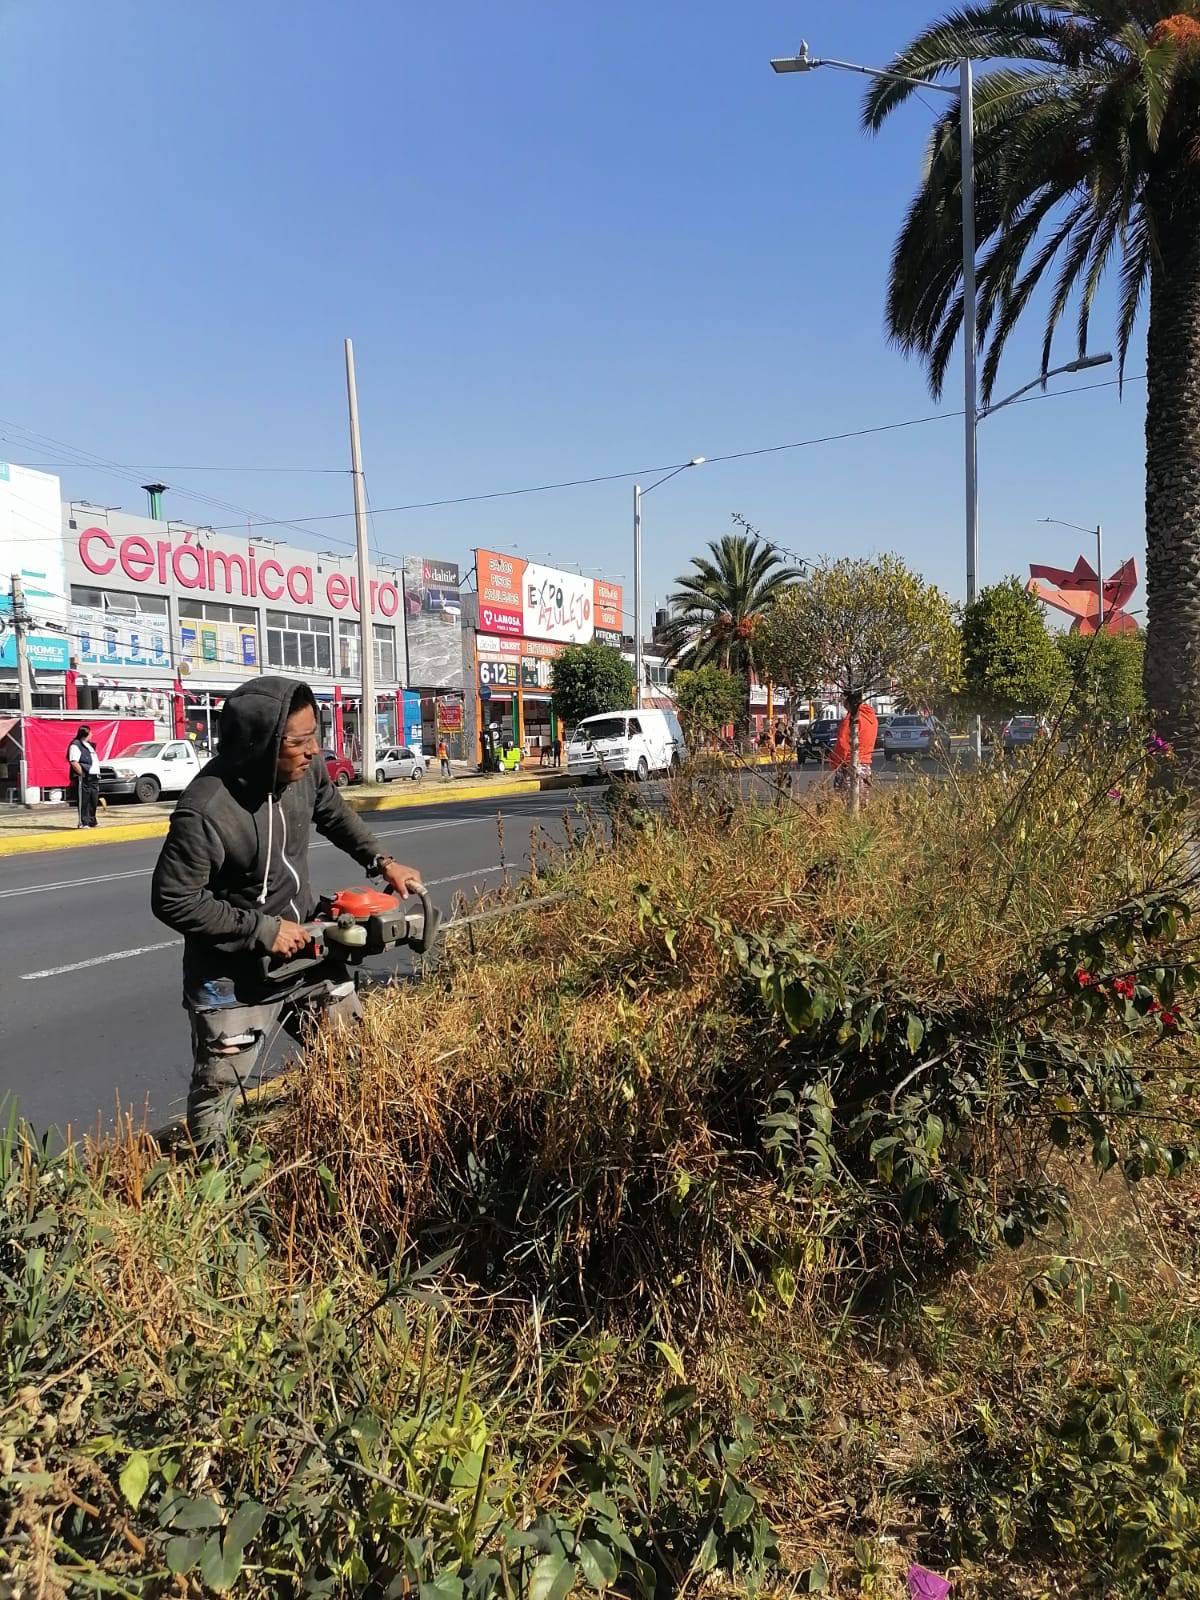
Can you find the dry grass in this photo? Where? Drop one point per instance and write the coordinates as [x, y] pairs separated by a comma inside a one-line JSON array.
[[570, 1109]]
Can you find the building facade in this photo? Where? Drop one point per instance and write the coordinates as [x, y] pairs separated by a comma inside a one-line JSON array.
[[521, 616], [158, 619], [151, 603]]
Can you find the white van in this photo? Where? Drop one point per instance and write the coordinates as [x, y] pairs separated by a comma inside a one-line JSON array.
[[633, 742]]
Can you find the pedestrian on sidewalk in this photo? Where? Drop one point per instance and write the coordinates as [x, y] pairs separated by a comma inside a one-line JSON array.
[[232, 878], [85, 773], [444, 758]]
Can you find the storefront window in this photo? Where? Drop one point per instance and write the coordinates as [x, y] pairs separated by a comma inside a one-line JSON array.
[[299, 642], [349, 647], [129, 605], [216, 611], [536, 717]]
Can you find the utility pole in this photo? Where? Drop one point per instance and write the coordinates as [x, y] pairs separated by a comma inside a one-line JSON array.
[[366, 633], [966, 106], [21, 628], [20, 618], [1100, 575]]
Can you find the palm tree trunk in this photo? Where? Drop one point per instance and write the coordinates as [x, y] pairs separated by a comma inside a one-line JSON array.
[[1173, 477]]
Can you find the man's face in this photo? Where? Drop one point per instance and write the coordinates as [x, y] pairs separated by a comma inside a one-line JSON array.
[[299, 746]]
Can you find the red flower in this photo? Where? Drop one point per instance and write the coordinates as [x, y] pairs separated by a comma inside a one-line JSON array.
[[1125, 987], [1084, 978], [1169, 1020]]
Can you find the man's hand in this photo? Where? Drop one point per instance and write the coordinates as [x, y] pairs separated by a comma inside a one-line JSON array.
[[404, 880], [290, 939]]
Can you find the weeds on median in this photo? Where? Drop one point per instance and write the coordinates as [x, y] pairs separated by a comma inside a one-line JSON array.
[[798, 1196]]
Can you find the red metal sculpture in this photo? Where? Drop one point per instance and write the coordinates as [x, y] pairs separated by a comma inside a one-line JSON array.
[[1078, 594]]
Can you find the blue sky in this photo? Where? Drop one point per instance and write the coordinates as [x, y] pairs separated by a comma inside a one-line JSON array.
[[567, 240]]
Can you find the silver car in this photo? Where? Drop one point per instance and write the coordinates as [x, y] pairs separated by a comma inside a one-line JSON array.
[[399, 761], [913, 736]]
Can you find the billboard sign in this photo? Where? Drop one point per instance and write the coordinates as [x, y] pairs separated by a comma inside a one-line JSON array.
[[558, 605], [31, 544], [433, 622], [499, 580]]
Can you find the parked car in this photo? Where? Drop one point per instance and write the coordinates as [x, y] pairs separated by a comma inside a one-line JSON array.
[[912, 735], [341, 768], [635, 743], [146, 770], [399, 761], [821, 735], [1020, 732]]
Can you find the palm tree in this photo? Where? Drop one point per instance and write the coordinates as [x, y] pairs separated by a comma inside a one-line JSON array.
[[718, 602], [1088, 158]]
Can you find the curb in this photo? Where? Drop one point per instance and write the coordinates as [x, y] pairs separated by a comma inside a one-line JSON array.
[[19, 844]]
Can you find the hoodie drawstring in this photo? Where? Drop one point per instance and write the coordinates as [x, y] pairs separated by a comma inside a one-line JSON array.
[[262, 899]]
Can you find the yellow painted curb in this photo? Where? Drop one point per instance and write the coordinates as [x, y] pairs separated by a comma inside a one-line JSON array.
[[19, 844], [418, 795]]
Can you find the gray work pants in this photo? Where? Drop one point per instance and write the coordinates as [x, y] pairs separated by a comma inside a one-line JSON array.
[[227, 1043]]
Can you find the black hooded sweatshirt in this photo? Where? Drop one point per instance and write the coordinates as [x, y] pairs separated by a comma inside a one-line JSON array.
[[235, 860]]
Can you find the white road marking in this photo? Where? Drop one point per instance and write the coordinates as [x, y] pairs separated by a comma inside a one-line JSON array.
[[174, 944], [99, 961], [75, 883]]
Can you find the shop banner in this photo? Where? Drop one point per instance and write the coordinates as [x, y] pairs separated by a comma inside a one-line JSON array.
[[609, 613], [449, 716], [499, 674], [558, 605], [109, 639], [229, 644], [47, 742], [433, 622], [535, 672], [498, 580]]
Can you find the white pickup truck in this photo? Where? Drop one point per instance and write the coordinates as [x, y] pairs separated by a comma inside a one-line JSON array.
[[157, 766]]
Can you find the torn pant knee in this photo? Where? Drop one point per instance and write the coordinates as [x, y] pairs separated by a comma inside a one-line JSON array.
[[221, 1070]]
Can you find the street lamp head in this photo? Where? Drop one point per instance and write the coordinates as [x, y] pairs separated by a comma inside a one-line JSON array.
[[800, 62], [697, 461], [1084, 362]]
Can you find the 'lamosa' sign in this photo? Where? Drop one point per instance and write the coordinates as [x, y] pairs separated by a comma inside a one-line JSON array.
[[216, 570]]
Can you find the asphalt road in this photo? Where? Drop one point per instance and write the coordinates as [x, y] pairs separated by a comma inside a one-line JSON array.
[[90, 1011]]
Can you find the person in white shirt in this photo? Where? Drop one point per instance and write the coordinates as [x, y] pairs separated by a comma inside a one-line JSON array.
[[85, 773]]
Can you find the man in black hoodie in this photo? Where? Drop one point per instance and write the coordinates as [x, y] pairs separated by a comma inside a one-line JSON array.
[[232, 878]]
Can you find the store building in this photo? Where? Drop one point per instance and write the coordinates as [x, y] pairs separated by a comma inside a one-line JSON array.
[[521, 616], [135, 615], [154, 603]]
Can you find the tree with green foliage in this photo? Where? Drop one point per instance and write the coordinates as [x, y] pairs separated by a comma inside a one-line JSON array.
[[1010, 662], [855, 629], [708, 699], [1087, 134], [587, 679], [1105, 672], [718, 604]]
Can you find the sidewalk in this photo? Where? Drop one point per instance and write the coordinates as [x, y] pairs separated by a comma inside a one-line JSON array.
[[54, 827]]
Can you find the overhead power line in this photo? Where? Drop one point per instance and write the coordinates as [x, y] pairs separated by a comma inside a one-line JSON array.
[[300, 524]]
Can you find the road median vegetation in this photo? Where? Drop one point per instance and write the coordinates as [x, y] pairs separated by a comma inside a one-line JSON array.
[[798, 1197]]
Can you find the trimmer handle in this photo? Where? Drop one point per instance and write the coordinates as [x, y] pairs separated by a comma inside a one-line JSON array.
[[433, 921]]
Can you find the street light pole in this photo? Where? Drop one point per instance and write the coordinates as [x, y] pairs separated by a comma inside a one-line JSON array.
[[637, 596], [638, 492], [1097, 533], [366, 637]]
